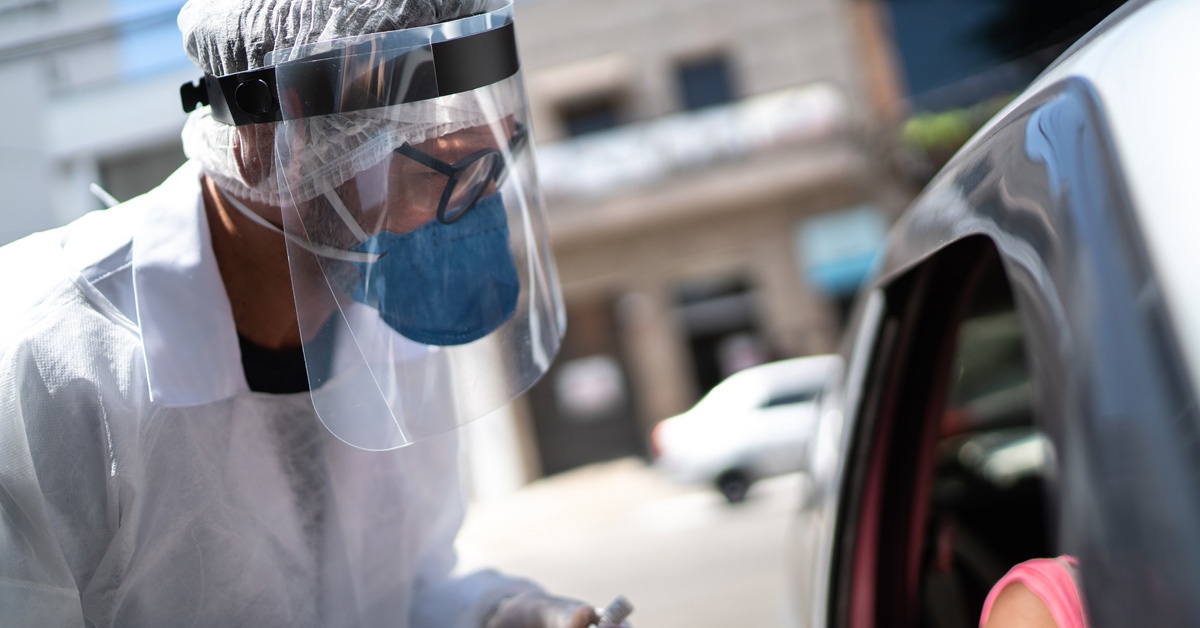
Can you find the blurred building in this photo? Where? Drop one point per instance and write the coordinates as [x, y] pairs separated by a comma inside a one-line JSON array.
[[715, 197], [90, 96], [715, 191]]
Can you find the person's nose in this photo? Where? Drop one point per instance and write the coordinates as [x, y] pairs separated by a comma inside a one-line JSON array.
[[394, 198], [408, 217]]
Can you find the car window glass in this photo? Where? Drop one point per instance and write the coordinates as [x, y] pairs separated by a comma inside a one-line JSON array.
[[790, 398], [985, 508]]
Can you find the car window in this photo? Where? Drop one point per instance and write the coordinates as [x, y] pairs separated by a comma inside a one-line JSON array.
[[949, 470], [984, 504], [789, 398]]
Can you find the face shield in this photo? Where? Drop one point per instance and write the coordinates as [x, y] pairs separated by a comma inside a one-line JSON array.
[[416, 237]]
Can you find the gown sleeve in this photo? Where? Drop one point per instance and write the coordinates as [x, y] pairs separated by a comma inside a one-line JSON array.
[[53, 519], [444, 597]]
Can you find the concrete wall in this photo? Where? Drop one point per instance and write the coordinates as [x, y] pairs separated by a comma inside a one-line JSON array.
[[25, 171]]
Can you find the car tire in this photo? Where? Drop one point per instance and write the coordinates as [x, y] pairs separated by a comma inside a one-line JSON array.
[[734, 485]]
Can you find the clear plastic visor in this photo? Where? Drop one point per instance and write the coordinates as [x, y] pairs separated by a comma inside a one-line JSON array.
[[419, 257]]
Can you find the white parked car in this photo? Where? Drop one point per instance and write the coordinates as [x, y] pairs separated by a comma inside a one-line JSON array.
[[755, 424]]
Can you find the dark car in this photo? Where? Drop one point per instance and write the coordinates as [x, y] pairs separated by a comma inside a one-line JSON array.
[[1021, 377]]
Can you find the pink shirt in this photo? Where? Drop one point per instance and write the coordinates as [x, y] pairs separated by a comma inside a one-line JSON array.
[[1053, 581]]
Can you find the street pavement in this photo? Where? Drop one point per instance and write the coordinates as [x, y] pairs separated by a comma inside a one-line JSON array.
[[683, 557]]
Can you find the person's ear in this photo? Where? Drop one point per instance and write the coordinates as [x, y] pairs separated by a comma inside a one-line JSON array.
[[254, 152]]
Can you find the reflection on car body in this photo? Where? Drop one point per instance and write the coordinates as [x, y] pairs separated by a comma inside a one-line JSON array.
[[756, 423], [1021, 376]]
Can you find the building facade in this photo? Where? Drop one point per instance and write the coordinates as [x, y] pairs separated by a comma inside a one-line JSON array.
[[715, 197]]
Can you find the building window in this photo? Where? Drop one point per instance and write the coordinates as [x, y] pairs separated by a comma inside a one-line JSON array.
[[588, 116], [705, 82]]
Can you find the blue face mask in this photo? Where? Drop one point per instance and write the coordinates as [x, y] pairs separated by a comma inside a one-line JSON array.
[[444, 284]]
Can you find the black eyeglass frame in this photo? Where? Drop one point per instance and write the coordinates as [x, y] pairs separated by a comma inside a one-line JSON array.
[[452, 171]]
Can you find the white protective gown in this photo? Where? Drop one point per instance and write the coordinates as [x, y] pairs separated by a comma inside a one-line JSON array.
[[143, 484]]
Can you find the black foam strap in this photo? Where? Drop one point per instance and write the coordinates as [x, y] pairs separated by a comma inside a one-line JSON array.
[[315, 85]]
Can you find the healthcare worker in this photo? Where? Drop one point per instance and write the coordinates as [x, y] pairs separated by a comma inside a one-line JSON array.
[[232, 401]]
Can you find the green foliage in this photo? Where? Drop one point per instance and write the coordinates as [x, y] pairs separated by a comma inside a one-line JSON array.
[[944, 132]]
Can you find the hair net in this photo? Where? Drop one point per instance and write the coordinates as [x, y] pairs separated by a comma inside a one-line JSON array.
[[228, 36]]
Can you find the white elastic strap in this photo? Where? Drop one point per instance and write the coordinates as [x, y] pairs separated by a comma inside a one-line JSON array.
[[312, 247], [106, 198], [344, 214]]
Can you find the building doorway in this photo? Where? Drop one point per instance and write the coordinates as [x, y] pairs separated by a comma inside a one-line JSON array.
[[720, 318], [583, 409]]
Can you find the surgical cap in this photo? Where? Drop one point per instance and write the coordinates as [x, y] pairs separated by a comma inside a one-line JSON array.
[[227, 36]]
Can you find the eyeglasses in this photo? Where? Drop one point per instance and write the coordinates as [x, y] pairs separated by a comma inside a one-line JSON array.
[[468, 178]]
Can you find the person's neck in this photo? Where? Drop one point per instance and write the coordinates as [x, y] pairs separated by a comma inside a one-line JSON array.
[[253, 263]]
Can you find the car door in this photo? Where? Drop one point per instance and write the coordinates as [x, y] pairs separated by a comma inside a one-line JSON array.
[[950, 471], [1014, 389]]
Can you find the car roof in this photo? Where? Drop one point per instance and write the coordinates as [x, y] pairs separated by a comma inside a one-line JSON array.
[[1141, 66], [1144, 69]]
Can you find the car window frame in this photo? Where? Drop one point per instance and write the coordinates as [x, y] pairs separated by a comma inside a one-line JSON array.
[[917, 312], [1082, 281]]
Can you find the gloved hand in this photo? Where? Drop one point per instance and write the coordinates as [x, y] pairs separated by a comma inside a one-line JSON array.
[[538, 610]]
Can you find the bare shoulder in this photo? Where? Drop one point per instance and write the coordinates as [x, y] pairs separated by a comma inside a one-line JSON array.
[[1017, 606]]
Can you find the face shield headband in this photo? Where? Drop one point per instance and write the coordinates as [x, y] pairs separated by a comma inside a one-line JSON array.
[[426, 63], [418, 252]]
